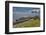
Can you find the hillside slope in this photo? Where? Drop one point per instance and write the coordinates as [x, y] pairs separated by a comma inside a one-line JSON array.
[[29, 23]]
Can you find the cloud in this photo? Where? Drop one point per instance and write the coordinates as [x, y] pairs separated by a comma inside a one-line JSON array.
[[37, 10]]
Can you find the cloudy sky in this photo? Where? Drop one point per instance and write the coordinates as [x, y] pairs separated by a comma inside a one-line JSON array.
[[24, 11]]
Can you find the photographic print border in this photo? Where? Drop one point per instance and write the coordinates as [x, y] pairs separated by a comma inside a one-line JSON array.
[[7, 17]]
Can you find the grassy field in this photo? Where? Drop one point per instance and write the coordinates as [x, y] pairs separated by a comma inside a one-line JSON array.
[[29, 23]]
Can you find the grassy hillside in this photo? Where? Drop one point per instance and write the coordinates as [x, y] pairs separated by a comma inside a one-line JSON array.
[[29, 23]]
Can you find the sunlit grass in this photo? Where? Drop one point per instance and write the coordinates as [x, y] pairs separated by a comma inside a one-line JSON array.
[[29, 23]]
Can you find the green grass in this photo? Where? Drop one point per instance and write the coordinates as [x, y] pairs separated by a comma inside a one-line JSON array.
[[29, 23]]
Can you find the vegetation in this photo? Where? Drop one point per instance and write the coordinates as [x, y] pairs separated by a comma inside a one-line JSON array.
[[34, 22]]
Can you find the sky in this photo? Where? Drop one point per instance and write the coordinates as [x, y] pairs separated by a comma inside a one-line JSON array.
[[19, 12]]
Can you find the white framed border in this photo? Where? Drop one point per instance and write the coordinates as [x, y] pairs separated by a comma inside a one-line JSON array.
[[11, 29]]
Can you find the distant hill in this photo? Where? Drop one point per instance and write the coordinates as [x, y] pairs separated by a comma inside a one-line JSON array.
[[23, 18]]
